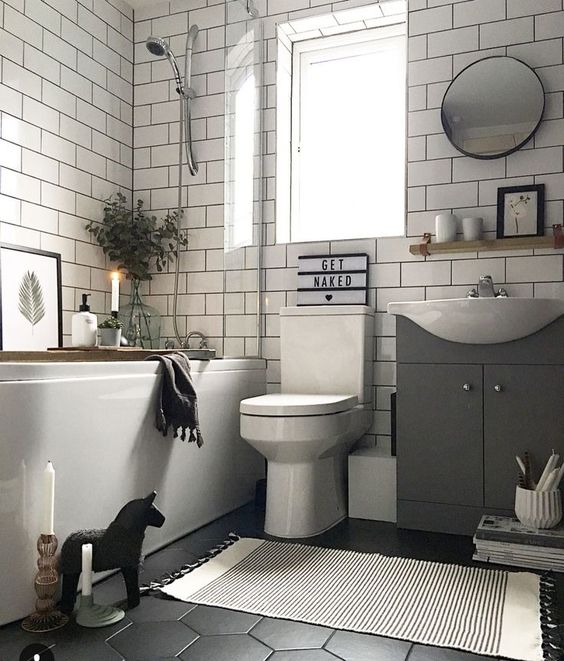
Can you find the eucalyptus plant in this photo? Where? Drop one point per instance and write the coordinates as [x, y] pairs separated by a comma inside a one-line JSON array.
[[136, 240]]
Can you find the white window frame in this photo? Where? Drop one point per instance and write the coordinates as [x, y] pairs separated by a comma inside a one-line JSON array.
[[304, 53]]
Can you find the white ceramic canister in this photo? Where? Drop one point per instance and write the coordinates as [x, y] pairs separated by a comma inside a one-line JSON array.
[[446, 225], [472, 228], [538, 509]]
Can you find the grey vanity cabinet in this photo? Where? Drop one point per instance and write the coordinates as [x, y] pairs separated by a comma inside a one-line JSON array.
[[523, 411], [463, 413], [439, 427]]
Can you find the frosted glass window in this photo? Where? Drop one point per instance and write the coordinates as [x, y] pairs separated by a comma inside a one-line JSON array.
[[348, 136]]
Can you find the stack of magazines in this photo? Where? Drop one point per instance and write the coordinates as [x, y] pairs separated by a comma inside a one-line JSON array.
[[506, 541]]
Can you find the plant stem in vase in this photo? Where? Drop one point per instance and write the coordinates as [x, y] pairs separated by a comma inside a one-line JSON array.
[[141, 322]]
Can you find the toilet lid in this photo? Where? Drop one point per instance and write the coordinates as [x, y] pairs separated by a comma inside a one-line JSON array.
[[287, 404]]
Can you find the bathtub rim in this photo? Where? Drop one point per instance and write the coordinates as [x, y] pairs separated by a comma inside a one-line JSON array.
[[38, 371]]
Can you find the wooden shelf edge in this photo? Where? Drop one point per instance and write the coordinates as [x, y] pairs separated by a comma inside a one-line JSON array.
[[73, 355], [518, 243]]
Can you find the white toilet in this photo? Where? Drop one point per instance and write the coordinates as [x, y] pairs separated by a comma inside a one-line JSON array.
[[325, 405]]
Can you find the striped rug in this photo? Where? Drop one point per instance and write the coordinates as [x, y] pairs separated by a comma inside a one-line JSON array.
[[488, 612]]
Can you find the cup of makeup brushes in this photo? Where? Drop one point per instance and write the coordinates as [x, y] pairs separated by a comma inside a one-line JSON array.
[[538, 509]]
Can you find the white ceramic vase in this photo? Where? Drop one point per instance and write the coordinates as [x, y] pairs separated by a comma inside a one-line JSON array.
[[446, 225], [538, 509], [472, 228]]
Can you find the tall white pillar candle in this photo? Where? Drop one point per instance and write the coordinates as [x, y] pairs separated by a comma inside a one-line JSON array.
[[48, 500], [86, 570], [115, 291]]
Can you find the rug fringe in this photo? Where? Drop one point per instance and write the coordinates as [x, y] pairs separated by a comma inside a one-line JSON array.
[[552, 643], [166, 579]]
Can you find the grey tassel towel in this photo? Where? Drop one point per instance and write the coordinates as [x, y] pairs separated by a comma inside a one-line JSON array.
[[177, 406]]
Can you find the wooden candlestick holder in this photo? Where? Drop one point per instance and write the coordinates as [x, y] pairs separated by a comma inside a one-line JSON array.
[[46, 617]]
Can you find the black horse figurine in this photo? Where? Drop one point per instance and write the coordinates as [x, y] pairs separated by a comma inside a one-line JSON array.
[[117, 547]]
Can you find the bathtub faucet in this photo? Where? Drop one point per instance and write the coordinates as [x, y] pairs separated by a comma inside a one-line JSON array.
[[185, 344], [191, 334]]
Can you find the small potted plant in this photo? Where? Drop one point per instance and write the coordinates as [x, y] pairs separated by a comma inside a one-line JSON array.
[[110, 332]]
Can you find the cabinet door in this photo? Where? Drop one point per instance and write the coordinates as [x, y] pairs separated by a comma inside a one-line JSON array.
[[440, 434], [522, 412]]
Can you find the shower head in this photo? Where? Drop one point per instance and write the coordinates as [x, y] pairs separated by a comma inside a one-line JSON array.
[[157, 46], [160, 48]]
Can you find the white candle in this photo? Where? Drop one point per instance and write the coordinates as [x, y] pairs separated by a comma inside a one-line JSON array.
[[86, 570], [49, 500], [115, 291]]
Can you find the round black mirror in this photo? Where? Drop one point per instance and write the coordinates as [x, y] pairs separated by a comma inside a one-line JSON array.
[[493, 107]]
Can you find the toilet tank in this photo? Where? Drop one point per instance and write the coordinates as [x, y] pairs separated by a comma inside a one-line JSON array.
[[327, 349]]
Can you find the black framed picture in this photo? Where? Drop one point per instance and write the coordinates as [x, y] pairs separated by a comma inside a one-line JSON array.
[[520, 211], [31, 316]]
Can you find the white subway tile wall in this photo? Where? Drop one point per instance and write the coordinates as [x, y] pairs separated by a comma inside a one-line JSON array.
[[66, 131], [445, 36]]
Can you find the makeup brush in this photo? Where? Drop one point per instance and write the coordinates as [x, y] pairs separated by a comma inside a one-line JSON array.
[[528, 479], [521, 480], [550, 464]]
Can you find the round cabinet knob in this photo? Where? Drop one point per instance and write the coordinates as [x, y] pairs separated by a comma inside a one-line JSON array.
[[498, 388], [467, 387]]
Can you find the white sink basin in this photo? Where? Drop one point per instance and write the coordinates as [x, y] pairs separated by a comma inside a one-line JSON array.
[[481, 320]]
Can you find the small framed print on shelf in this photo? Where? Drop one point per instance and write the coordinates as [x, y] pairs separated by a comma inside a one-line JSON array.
[[30, 299], [520, 211]]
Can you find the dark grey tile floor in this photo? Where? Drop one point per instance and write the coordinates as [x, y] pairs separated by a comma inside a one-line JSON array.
[[161, 629]]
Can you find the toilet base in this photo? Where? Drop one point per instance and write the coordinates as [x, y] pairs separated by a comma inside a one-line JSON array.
[[313, 534], [306, 499]]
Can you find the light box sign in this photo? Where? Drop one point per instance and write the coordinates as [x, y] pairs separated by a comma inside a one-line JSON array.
[[333, 279]]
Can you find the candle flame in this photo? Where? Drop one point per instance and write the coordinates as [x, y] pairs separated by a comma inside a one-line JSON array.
[[115, 275]]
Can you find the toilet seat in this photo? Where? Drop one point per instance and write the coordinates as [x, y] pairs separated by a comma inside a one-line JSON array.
[[282, 405]]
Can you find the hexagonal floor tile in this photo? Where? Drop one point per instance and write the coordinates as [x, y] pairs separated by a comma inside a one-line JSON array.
[[163, 562], [98, 651], [76, 643], [151, 640], [208, 620], [302, 655], [424, 653], [287, 635], [156, 609], [365, 647], [227, 647]]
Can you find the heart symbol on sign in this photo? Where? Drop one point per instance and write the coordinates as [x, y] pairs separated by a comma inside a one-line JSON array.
[[328, 297]]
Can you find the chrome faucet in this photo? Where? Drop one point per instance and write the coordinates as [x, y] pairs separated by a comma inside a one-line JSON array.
[[485, 289], [185, 344], [191, 334]]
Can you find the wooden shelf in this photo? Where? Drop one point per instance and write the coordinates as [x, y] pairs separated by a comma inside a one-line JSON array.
[[83, 354], [519, 243]]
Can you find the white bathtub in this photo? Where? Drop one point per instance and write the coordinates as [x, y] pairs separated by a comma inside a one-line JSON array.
[[95, 422]]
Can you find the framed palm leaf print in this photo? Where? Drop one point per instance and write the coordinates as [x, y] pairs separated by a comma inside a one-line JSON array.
[[30, 299]]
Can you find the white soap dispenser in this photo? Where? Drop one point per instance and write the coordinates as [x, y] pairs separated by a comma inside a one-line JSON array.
[[84, 326]]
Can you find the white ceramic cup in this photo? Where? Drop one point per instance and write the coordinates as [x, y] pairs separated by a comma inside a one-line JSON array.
[[472, 228], [446, 225], [538, 509]]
